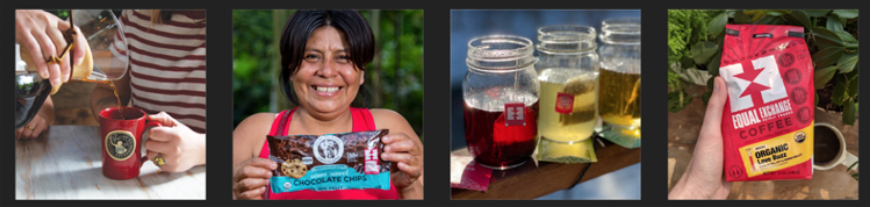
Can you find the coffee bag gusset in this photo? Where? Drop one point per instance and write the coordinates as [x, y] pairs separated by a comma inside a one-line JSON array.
[[329, 162], [768, 117]]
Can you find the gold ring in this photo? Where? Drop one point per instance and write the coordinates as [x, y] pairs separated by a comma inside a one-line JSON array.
[[159, 161], [54, 59], [28, 127]]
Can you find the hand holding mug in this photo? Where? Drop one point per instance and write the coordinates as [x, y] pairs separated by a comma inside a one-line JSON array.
[[180, 147]]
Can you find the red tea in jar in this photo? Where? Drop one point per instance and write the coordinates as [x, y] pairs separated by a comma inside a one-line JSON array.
[[500, 139], [500, 92]]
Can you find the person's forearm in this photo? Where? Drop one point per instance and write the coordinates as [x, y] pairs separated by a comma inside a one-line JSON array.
[[47, 111], [413, 191], [686, 188], [678, 192]]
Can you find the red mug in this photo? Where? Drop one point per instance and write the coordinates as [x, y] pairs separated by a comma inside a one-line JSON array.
[[123, 141]]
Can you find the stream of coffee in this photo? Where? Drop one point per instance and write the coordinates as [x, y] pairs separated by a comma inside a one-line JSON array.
[[114, 90]]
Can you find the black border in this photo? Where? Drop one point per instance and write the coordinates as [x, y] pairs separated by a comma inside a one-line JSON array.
[[437, 87]]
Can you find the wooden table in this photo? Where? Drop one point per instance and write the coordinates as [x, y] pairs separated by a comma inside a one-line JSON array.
[[66, 164], [683, 130], [530, 182]]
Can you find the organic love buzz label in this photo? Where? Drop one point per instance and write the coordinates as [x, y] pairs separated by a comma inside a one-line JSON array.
[[768, 117]]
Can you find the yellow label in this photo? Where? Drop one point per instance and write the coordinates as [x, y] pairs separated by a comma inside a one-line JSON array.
[[779, 152]]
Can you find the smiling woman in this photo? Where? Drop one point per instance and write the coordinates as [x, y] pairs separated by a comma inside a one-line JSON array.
[[323, 59]]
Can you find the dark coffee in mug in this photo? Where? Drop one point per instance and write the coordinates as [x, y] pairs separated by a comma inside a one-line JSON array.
[[827, 145]]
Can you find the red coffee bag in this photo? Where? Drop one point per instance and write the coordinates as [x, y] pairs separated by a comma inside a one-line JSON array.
[[768, 117]]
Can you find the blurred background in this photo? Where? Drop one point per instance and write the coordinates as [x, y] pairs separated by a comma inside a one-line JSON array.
[[394, 78], [468, 24]]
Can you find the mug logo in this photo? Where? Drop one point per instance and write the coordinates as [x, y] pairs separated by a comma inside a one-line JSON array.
[[753, 83], [120, 145], [328, 149]]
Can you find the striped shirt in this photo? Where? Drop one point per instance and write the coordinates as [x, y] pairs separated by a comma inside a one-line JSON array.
[[167, 64]]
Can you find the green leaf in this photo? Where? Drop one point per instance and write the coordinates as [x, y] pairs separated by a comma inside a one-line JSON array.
[[850, 42], [776, 13], [846, 14], [827, 56], [849, 116], [771, 20], [853, 89], [687, 62], [741, 18], [718, 24], [702, 52], [848, 62], [816, 99], [757, 14], [817, 13], [678, 100], [823, 76], [839, 93], [710, 83], [853, 74], [834, 23], [825, 38], [802, 18], [714, 65]]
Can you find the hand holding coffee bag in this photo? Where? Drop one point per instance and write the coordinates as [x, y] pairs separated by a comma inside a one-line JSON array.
[[768, 118]]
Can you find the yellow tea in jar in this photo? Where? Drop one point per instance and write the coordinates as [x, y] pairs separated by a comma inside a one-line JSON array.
[[577, 121], [620, 98]]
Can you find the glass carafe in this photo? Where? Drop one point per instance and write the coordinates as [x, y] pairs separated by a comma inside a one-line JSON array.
[[501, 101], [107, 43]]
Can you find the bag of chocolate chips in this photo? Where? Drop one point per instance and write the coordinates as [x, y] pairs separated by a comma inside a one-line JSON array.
[[768, 117], [329, 162]]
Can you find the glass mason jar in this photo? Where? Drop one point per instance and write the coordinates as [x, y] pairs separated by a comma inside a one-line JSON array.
[[568, 72], [620, 81], [501, 101]]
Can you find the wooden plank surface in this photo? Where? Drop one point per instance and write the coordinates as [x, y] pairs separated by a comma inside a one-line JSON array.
[[66, 164], [683, 130], [530, 182]]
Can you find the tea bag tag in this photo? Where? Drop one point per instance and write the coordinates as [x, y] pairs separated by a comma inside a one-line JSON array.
[[564, 103], [515, 114]]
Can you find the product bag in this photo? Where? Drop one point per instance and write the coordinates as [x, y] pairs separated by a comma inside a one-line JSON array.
[[768, 117]]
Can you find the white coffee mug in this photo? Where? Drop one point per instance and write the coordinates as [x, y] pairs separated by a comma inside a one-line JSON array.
[[844, 157]]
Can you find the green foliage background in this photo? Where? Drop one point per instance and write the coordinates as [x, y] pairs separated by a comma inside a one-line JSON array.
[[394, 78], [696, 39]]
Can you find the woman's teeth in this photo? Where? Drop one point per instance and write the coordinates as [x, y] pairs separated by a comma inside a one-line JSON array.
[[326, 89]]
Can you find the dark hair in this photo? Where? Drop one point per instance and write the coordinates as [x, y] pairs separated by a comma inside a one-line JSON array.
[[351, 24]]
